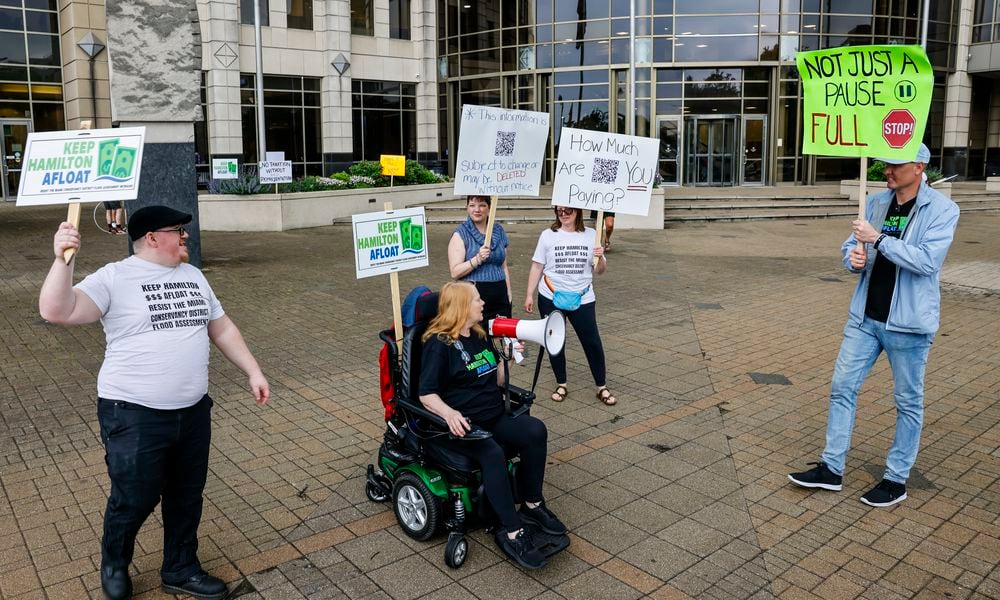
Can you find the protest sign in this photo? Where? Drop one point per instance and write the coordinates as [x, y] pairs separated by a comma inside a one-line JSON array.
[[392, 165], [500, 151], [605, 171], [389, 242], [275, 172], [865, 100], [225, 168], [65, 167]]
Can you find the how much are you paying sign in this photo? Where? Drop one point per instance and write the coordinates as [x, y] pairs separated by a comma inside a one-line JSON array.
[[865, 100]]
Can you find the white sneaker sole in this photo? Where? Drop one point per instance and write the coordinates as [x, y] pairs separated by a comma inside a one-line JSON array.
[[883, 504], [833, 487]]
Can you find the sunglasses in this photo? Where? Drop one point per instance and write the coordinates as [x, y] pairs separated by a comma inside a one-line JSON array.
[[565, 211], [178, 230]]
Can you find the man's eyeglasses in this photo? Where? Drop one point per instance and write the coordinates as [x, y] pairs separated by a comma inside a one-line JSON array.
[[565, 211], [177, 230]]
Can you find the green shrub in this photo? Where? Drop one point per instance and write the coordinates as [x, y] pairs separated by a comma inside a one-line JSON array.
[[417, 174], [372, 170], [876, 171], [245, 183]]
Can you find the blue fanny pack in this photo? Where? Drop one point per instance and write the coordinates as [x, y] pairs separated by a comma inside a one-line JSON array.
[[565, 300]]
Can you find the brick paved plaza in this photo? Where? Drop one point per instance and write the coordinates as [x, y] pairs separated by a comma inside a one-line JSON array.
[[720, 340]]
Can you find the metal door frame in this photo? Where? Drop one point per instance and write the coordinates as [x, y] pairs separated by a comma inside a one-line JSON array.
[[6, 194], [736, 122], [679, 119], [764, 156]]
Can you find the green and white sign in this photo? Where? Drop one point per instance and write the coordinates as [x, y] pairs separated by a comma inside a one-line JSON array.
[[865, 100], [387, 242], [225, 168], [64, 167]]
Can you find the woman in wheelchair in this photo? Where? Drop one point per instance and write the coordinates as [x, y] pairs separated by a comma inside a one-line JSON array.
[[460, 382]]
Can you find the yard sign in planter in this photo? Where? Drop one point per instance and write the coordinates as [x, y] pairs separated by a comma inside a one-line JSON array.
[[500, 151], [866, 101], [389, 242], [605, 171], [275, 171], [65, 167]]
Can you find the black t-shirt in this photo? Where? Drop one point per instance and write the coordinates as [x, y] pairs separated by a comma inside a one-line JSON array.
[[464, 374], [883, 277]]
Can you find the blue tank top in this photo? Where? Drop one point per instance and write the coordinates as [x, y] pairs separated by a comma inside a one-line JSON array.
[[492, 269]]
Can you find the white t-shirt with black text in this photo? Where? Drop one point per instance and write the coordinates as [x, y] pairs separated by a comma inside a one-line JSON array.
[[156, 328], [568, 260]]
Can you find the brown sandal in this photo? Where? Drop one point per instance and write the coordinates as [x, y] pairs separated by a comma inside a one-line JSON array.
[[605, 396], [560, 394]]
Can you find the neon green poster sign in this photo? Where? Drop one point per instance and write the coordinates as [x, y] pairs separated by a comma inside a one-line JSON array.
[[865, 100]]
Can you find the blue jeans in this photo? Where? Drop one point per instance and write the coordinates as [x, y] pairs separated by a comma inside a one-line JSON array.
[[907, 354], [152, 454]]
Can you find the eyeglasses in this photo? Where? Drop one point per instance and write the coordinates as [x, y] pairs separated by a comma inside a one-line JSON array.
[[465, 355], [565, 211], [178, 230]]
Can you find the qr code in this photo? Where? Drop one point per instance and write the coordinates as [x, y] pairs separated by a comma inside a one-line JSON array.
[[505, 143], [605, 171]]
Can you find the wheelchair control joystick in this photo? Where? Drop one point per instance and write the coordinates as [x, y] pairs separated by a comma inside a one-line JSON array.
[[476, 433]]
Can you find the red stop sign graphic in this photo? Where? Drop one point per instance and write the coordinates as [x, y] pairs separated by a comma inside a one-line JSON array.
[[898, 127]]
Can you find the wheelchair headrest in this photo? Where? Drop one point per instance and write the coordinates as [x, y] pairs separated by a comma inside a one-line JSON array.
[[427, 307]]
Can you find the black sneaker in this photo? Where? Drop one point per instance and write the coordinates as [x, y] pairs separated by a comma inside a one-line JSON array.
[[202, 586], [818, 477], [886, 493], [521, 549], [116, 583], [543, 518]]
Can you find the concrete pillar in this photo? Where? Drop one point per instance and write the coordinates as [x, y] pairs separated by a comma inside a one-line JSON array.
[[77, 19], [958, 100], [219, 22], [155, 56], [336, 111], [424, 33]]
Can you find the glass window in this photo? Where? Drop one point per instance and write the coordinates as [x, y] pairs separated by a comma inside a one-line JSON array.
[[43, 22], [291, 121], [300, 14], [48, 116], [362, 17], [12, 73], [52, 5], [13, 48], [713, 7], [11, 19], [43, 50], [720, 25], [246, 12], [384, 119], [399, 19]]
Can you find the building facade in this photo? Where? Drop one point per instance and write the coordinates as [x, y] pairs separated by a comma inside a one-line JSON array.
[[346, 80]]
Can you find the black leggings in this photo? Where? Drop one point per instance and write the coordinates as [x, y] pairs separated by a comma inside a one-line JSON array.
[[524, 435], [584, 321]]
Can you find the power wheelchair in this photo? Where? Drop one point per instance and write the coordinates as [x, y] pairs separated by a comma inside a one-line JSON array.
[[430, 486]]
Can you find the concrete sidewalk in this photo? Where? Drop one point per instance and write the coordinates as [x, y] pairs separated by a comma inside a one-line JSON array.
[[720, 342]]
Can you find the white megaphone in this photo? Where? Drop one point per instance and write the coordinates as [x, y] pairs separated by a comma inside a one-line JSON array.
[[549, 332]]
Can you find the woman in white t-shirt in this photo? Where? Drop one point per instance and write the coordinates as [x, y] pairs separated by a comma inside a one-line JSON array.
[[564, 262]]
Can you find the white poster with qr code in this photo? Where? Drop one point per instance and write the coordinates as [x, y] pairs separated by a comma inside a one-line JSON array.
[[605, 171], [500, 151]]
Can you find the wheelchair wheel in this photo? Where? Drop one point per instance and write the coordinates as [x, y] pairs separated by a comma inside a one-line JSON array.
[[417, 509], [456, 550], [374, 493]]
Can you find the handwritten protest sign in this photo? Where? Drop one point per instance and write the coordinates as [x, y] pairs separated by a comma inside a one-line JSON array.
[[275, 171], [605, 171], [63, 167], [500, 151], [390, 241], [393, 165], [865, 100]]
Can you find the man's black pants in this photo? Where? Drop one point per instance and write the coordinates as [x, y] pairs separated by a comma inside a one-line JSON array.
[[151, 454]]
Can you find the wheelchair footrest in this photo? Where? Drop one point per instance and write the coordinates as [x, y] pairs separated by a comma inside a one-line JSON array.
[[548, 544]]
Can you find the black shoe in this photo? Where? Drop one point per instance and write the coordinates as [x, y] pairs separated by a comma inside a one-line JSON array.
[[543, 518], [818, 477], [201, 585], [116, 583], [886, 493], [521, 549]]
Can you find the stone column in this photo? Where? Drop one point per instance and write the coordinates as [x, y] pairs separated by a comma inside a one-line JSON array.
[[77, 19], [220, 33], [424, 32], [958, 101], [154, 49], [336, 110]]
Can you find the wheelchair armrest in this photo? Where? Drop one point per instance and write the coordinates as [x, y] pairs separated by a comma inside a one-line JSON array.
[[436, 421], [520, 400]]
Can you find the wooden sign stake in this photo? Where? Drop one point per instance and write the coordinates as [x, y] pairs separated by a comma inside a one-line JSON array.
[[490, 221], [397, 309], [599, 226], [863, 193]]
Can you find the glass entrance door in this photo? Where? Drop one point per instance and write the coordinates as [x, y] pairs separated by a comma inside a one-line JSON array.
[[13, 140], [668, 163], [710, 150], [754, 156]]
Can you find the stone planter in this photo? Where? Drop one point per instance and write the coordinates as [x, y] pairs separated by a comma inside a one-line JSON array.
[[849, 188], [281, 212], [652, 220]]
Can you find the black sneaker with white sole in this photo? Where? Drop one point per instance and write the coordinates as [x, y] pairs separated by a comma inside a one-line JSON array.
[[886, 493], [820, 477], [543, 518]]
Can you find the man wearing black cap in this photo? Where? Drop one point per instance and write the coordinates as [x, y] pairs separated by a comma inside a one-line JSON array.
[[896, 309], [159, 314]]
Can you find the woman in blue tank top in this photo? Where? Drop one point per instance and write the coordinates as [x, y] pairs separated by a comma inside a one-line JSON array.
[[470, 260]]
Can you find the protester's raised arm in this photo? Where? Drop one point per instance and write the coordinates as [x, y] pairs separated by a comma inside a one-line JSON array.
[[58, 301]]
